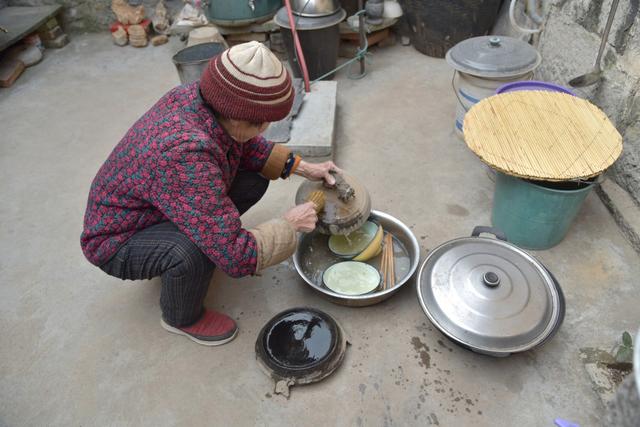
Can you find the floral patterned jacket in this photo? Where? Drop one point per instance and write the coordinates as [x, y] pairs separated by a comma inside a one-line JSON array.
[[176, 164]]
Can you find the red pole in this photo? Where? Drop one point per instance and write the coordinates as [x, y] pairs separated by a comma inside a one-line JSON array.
[[298, 47]]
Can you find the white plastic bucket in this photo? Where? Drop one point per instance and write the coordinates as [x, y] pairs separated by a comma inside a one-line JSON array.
[[471, 89]]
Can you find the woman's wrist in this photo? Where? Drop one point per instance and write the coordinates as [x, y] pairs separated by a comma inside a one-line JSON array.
[[302, 168]]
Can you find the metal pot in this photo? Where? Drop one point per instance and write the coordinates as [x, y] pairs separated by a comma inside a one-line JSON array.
[[191, 61], [374, 10], [489, 295], [319, 37], [309, 22], [314, 8], [400, 231]]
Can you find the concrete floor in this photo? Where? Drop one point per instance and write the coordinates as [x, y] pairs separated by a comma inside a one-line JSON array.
[[80, 348]]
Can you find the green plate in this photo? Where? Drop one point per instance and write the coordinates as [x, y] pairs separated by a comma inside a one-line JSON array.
[[353, 243], [351, 278]]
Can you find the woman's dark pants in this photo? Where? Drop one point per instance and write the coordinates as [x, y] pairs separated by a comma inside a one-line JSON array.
[[163, 250]]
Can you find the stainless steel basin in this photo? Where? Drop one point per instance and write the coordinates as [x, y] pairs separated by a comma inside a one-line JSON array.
[[400, 231]]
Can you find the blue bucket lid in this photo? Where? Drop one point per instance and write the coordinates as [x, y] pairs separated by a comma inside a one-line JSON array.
[[533, 85]]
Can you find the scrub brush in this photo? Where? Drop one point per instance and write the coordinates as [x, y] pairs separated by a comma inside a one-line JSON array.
[[317, 198]]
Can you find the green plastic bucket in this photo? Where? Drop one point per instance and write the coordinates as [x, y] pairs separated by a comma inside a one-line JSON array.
[[535, 216]]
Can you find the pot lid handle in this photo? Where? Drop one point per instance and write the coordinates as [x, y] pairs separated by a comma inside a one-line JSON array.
[[282, 387], [499, 234], [491, 279], [495, 42]]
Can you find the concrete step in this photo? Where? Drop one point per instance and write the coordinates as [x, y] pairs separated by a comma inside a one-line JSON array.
[[313, 129], [624, 210]]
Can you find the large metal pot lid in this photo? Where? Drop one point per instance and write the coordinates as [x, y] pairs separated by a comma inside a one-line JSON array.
[[304, 23], [300, 346], [489, 295], [493, 57]]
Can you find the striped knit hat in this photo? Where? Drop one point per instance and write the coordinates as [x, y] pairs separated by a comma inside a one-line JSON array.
[[247, 82]]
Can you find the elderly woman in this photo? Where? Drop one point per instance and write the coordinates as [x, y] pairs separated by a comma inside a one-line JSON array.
[[167, 202]]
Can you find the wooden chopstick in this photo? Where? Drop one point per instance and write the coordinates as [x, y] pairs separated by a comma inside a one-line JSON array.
[[387, 263], [383, 269], [392, 263]]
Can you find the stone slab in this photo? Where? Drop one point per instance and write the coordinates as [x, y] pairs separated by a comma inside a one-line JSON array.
[[624, 210], [313, 129], [20, 21], [280, 132]]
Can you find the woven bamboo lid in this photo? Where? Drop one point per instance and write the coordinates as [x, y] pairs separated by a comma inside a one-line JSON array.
[[542, 135]]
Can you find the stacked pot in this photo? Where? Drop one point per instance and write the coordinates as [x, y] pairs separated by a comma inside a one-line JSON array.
[[317, 24]]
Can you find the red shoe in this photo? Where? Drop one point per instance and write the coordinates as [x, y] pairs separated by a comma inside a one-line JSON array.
[[213, 328]]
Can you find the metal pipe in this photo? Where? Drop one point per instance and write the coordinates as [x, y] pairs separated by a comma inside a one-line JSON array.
[[605, 34], [362, 34], [514, 24], [532, 11]]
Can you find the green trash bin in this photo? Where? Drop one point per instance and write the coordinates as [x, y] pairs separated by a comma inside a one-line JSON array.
[[534, 216]]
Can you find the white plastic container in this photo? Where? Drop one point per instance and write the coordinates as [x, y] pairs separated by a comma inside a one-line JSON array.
[[471, 90], [482, 64]]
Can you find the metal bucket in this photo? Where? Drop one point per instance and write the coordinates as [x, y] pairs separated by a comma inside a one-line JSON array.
[[319, 39], [191, 61], [400, 231], [320, 49]]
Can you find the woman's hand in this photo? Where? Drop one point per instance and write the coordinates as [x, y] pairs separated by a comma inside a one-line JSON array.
[[318, 171], [302, 217]]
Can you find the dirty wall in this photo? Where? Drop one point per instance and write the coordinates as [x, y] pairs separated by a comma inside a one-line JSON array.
[[569, 45], [92, 15]]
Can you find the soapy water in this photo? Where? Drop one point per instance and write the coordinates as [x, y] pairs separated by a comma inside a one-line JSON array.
[[316, 257]]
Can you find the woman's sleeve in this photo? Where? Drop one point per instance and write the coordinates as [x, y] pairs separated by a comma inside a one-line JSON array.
[[266, 157], [192, 195]]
